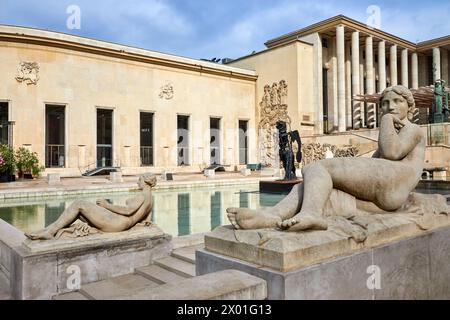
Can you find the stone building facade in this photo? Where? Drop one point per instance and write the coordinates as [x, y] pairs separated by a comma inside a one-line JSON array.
[[82, 103]]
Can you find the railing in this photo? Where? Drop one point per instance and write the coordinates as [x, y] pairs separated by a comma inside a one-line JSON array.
[[55, 156], [146, 156]]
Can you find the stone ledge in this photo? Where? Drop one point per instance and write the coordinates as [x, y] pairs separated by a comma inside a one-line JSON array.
[[92, 241], [222, 285]]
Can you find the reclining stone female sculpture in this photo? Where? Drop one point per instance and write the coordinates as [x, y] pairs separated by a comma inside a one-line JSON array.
[[104, 216], [354, 186]]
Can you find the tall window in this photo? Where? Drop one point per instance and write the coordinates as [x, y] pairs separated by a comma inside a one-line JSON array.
[[104, 137], [214, 131], [146, 139], [243, 142], [4, 123], [183, 140], [55, 136], [325, 99]]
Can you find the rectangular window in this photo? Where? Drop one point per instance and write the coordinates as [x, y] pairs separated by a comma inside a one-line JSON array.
[[243, 142], [104, 138], [146, 138], [55, 135], [214, 130], [4, 136], [183, 140]]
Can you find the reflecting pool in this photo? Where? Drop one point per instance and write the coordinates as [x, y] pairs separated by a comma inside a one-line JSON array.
[[178, 212]]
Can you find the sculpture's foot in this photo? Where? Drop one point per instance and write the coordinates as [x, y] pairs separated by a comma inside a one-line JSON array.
[[302, 222], [44, 234], [243, 218]]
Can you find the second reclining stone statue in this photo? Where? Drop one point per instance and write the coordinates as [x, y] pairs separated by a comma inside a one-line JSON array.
[[102, 216]]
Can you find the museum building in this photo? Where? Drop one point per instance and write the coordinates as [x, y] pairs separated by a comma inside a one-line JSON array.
[[82, 103]]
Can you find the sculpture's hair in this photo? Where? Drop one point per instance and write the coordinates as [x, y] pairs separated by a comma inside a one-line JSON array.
[[405, 93], [149, 178]]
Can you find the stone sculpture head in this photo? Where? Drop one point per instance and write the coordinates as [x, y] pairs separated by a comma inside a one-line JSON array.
[[147, 179], [398, 100]]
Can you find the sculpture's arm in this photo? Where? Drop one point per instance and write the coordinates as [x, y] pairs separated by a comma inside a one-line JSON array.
[[132, 206], [395, 146]]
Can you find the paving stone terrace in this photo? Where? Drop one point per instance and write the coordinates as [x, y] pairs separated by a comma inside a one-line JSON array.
[[100, 184]]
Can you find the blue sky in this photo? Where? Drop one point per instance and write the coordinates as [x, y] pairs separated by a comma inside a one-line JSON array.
[[219, 28]]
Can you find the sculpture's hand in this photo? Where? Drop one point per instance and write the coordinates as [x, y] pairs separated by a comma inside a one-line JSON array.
[[102, 203], [392, 118]]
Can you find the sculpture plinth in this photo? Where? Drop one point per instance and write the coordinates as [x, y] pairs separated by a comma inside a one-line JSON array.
[[277, 186], [331, 265]]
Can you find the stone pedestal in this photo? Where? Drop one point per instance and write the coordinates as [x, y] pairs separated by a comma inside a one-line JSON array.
[[43, 269], [53, 179], [115, 177], [398, 260], [209, 173]]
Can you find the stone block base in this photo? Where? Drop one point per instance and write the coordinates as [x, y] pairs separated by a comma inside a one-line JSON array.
[[43, 269], [413, 268], [115, 177]]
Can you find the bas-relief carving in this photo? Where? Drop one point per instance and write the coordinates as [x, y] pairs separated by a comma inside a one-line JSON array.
[[166, 91], [315, 151], [273, 108], [83, 218], [358, 192], [28, 72]]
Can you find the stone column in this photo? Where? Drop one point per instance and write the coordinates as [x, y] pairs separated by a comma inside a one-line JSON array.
[[340, 53], [382, 65], [362, 87], [356, 80], [415, 70], [393, 65], [370, 82], [318, 83], [444, 63], [348, 87], [405, 81], [436, 64]]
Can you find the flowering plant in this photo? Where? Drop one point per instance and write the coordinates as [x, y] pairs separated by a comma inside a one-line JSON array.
[[7, 162]]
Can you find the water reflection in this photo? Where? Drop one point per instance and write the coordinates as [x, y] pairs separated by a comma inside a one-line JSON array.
[[177, 212]]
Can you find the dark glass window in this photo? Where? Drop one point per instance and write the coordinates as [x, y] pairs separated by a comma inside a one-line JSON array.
[[146, 138], [243, 142], [214, 129], [55, 129], [183, 140], [104, 137]]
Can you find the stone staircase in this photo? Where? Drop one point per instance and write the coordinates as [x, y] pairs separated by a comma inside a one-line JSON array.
[[173, 277]]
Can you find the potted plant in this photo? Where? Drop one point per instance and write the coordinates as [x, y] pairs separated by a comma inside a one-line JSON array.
[[27, 163], [7, 163]]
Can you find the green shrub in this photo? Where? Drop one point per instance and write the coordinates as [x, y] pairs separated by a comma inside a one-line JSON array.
[[7, 161], [27, 162]]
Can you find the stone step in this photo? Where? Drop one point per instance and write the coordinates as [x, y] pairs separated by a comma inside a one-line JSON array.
[[119, 286], [4, 287], [187, 253], [159, 275], [222, 285], [177, 266], [70, 296]]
